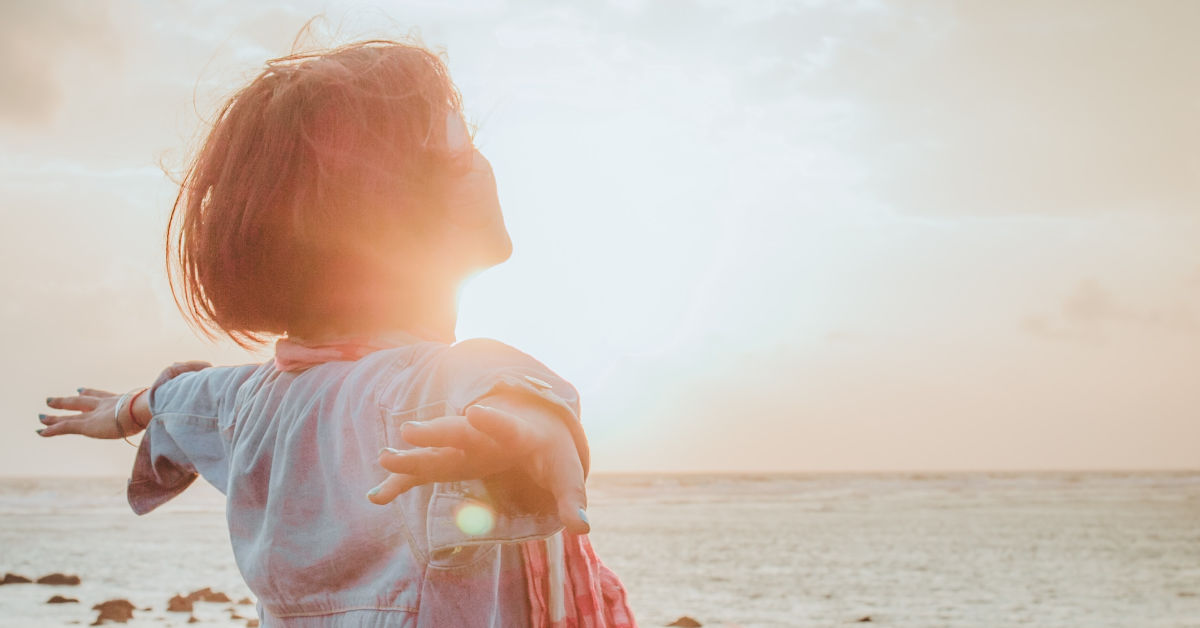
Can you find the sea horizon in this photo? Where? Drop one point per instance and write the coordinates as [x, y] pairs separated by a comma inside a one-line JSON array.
[[785, 472]]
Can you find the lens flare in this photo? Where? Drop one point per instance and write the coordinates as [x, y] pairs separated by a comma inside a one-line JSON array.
[[475, 519]]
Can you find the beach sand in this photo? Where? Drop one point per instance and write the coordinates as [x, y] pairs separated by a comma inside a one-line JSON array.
[[972, 550]]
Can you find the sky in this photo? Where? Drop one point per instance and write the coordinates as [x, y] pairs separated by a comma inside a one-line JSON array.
[[767, 236]]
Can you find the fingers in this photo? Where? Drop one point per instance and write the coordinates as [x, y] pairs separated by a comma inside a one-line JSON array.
[[430, 464], [79, 403], [450, 448], [47, 419], [566, 483], [95, 392], [63, 425], [391, 488], [446, 431], [509, 431]]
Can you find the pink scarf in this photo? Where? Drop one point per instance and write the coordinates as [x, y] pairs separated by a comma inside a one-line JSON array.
[[568, 585], [296, 354]]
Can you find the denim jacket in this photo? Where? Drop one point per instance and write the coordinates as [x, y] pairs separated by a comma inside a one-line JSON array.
[[295, 452]]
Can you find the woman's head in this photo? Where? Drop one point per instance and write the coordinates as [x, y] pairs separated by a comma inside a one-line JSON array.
[[330, 186]]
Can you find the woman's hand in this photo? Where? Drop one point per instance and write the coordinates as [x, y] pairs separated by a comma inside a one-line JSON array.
[[96, 409], [488, 440], [96, 418]]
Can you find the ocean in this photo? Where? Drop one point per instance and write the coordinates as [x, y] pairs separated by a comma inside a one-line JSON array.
[[984, 550]]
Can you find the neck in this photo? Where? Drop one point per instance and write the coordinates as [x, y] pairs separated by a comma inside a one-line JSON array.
[[430, 312], [427, 310]]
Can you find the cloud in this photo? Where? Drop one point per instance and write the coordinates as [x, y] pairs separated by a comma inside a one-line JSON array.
[[37, 39], [1090, 304], [1068, 108], [1051, 108], [1091, 310]]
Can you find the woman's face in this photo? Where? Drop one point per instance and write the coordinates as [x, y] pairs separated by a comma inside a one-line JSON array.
[[474, 231]]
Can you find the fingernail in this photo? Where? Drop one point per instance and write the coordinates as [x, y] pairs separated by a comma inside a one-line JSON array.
[[42, 418], [49, 399], [417, 423], [583, 516], [373, 492], [79, 390], [391, 450], [40, 431], [483, 407]]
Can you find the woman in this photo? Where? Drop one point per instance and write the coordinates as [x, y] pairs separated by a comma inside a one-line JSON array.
[[336, 205]]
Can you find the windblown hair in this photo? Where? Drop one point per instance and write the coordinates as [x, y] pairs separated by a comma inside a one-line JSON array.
[[307, 177]]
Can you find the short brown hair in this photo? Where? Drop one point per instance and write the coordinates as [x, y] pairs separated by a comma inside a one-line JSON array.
[[303, 182]]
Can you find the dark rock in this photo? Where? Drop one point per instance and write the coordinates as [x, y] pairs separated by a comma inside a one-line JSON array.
[[58, 599], [208, 595], [111, 606], [245, 600], [58, 578], [864, 618], [686, 622], [12, 578], [179, 604], [199, 593], [115, 610]]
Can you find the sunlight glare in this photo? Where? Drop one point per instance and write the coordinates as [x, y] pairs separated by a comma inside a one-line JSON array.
[[474, 518]]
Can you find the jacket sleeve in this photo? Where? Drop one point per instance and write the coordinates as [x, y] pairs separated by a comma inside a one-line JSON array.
[[188, 435]]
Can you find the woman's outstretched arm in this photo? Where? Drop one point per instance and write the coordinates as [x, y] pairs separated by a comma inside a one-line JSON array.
[[98, 415]]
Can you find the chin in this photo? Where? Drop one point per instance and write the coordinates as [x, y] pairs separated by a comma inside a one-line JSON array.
[[496, 246], [504, 250], [487, 255]]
